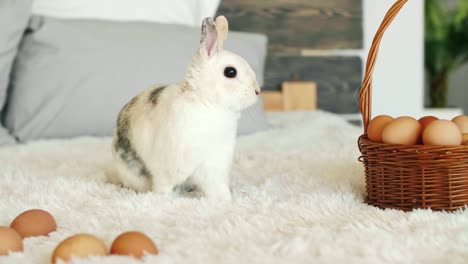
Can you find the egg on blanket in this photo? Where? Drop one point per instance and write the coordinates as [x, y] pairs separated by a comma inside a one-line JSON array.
[[134, 244], [403, 130], [34, 222], [10, 241], [80, 245], [376, 126]]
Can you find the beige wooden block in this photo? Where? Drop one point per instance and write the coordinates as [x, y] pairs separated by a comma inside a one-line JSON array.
[[299, 96], [272, 101]]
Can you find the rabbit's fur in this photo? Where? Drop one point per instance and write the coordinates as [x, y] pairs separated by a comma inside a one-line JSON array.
[[186, 132]]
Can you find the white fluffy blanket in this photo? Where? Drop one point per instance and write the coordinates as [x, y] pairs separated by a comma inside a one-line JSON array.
[[298, 194]]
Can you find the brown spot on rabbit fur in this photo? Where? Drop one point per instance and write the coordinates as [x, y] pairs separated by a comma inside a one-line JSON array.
[[123, 145], [154, 95]]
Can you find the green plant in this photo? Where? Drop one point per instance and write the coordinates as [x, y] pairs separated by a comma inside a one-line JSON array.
[[446, 42]]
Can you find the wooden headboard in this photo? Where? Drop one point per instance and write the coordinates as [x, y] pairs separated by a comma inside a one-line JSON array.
[[294, 96]]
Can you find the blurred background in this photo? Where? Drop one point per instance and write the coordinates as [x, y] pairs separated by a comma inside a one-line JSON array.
[[325, 41], [334, 36], [446, 53], [75, 53]]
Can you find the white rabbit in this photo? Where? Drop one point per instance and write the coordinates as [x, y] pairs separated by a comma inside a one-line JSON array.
[[186, 132]]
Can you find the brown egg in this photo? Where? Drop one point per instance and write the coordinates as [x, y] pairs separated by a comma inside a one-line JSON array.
[[80, 245], [134, 244], [34, 222], [10, 241], [425, 121], [442, 133], [376, 126], [465, 139], [403, 130], [462, 123]]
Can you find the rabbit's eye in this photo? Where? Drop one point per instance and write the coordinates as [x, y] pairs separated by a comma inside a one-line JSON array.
[[230, 72]]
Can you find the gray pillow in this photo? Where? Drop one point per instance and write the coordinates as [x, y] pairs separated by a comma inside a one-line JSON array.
[[72, 77], [14, 15]]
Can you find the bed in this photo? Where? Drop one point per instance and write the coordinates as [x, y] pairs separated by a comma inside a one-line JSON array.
[[298, 192], [298, 188]]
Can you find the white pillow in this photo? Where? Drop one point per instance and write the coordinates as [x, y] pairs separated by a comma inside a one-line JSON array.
[[185, 12]]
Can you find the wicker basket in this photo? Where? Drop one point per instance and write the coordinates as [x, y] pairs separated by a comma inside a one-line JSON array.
[[409, 177]]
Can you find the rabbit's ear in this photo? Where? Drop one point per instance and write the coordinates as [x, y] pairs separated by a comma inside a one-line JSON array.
[[222, 27], [209, 38]]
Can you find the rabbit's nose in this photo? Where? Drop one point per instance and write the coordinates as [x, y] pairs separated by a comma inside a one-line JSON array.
[[257, 92]]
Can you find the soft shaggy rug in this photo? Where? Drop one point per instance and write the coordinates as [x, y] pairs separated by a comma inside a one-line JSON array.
[[297, 198]]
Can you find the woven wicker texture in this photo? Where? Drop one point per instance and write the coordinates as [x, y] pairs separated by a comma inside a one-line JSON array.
[[409, 177]]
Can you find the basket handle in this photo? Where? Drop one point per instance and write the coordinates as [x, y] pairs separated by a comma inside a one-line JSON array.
[[365, 94]]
